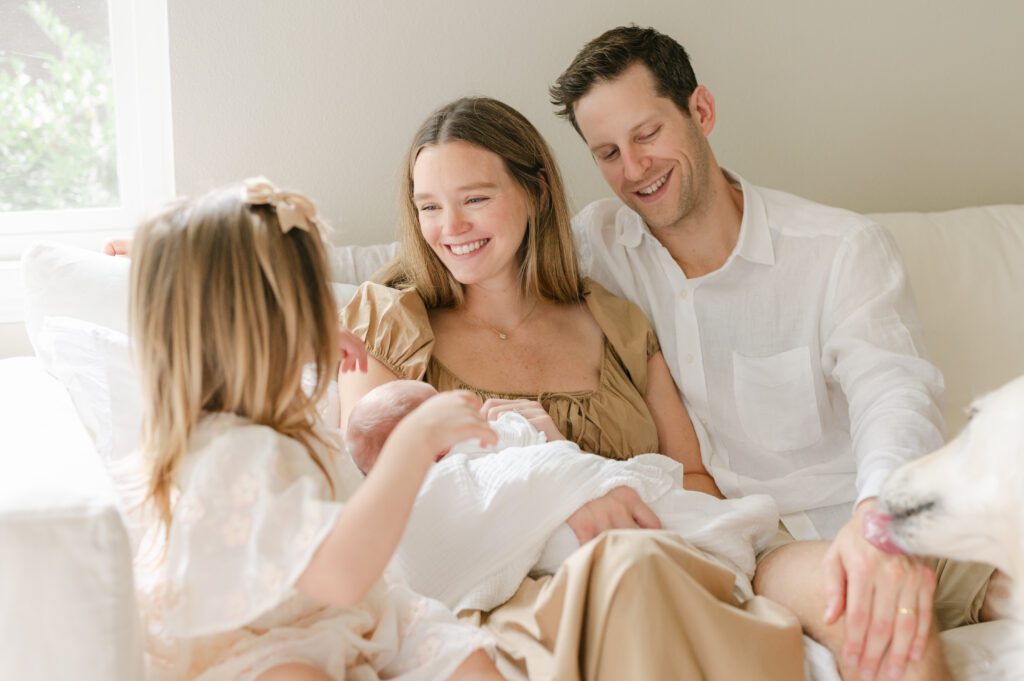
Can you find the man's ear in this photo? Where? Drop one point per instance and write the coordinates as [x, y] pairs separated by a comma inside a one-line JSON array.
[[702, 109]]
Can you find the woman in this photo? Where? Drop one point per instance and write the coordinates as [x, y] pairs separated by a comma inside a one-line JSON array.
[[486, 295], [491, 297]]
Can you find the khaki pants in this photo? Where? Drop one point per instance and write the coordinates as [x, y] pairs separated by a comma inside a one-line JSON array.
[[639, 604], [959, 589]]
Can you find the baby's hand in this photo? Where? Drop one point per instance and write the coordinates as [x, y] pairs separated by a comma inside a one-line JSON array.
[[532, 411], [353, 352], [444, 420]]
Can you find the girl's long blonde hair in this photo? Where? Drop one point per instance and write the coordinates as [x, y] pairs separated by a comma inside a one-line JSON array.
[[226, 308]]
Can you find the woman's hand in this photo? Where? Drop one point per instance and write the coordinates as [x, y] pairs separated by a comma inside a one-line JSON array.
[[530, 410], [440, 422], [353, 352], [620, 508]]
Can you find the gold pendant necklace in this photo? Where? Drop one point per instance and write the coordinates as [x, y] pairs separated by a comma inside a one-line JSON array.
[[503, 335]]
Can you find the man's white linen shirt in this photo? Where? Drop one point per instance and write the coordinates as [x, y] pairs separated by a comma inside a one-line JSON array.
[[799, 360]]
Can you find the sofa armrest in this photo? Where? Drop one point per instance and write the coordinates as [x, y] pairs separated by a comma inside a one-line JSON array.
[[66, 590]]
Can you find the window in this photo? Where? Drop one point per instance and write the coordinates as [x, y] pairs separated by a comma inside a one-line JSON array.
[[85, 137]]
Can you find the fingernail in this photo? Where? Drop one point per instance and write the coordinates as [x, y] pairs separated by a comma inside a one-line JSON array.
[[851, 659], [895, 672], [866, 675]]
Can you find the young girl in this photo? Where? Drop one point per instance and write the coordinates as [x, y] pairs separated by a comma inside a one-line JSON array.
[[264, 555]]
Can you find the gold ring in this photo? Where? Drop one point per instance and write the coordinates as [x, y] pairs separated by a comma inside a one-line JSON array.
[[906, 611]]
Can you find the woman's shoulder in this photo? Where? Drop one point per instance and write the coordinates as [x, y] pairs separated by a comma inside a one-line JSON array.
[[627, 330], [377, 310], [394, 325], [377, 301], [613, 311]]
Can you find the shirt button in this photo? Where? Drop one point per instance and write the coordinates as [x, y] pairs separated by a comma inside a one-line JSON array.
[[689, 359], [684, 294]]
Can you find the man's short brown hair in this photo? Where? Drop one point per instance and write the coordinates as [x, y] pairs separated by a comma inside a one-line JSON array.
[[611, 53]]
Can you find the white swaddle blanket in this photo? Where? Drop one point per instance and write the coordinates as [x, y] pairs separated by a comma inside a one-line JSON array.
[[486, 518]]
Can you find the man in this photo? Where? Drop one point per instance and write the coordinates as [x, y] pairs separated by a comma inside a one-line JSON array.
[[790, 331]]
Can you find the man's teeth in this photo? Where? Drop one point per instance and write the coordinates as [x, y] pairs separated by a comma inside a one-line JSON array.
[[463, 249], [654, 187]]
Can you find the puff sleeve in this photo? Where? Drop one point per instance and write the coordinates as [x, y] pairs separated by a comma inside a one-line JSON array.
[[252, 510], [394, 326], [627, 330]]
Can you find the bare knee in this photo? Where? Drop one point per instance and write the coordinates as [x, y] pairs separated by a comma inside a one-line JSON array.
[[792, 575], [477, 667], [293, 671]]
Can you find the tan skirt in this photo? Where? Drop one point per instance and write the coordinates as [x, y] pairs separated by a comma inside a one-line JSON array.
[[641, 604]]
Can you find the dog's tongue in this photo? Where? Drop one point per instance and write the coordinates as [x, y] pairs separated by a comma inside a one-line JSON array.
[[876, 530]]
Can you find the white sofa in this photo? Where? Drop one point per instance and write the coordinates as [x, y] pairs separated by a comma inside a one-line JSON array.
[[66, 604]]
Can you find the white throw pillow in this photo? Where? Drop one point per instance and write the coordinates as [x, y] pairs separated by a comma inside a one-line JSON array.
[[64, 281], [77, 321], [95, 365]]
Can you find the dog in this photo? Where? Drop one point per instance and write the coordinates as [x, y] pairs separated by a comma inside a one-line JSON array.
[[966, 501]]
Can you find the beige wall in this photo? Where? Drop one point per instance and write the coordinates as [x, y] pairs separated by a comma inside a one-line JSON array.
[[873, 105]]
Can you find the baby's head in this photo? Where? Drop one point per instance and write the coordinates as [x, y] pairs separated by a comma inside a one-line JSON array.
[[378, 412]]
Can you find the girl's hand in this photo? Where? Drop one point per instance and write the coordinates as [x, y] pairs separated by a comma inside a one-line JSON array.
[[530, 410], [353, 352], [442, 421]]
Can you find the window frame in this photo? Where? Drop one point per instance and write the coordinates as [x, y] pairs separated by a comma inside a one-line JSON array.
[[140, 62]]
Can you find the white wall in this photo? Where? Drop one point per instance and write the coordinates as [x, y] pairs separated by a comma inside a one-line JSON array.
[[872, 105]]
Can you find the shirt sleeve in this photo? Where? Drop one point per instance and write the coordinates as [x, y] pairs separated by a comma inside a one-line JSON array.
[[252, 510], [872, 346], [394, 326]]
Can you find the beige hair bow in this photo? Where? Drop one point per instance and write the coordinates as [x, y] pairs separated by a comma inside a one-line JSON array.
[[293, 210]]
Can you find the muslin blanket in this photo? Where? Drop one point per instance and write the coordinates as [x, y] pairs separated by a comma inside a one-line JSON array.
[[486, 518]]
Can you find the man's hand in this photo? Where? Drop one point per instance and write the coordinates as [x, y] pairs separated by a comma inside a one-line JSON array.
[[620, 508], [887, 599]]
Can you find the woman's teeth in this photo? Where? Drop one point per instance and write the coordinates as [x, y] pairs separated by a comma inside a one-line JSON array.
[[654, 187], [463, 249]]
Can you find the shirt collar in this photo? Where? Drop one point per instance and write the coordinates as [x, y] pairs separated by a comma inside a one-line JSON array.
[[755, 240], [631, 227]]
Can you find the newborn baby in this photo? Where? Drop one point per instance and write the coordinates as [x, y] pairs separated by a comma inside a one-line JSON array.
[[486, 514]]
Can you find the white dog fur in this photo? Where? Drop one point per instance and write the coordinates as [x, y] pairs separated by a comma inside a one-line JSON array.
[[966, 500]]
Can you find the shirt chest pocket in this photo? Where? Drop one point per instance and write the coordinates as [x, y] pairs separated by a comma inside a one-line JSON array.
[[775, 399]]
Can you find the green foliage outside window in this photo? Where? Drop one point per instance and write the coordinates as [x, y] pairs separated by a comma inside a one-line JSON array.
[[57, 139]]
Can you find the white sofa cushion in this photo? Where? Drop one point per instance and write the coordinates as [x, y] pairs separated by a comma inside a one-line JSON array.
[[77, 320], [64, 281], [66, 573], [966, 268], [95, 365]]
